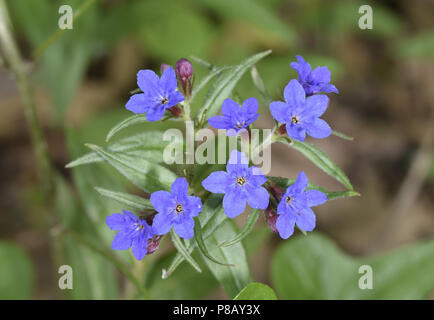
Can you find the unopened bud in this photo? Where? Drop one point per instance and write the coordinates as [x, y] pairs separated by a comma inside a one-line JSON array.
[[184, 72], [163, 67], [153, 244], [176, 111], [271, 216], [281, 130]]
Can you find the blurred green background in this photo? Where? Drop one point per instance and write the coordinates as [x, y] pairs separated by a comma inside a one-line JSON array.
[[82, 80]]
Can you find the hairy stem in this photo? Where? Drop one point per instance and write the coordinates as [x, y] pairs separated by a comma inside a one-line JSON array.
[[17, 66]]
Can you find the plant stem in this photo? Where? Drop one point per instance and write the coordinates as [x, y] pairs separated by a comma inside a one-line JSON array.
[[17, 66]]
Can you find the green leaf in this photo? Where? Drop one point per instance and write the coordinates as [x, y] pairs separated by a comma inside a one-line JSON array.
[[256, 291], [148, 145], [259, 85], [331, 195], [247, 228], [202, 246], [342, 135], [233, 279], [16, 276], [202, 84], [183, 284], [130, 121], [313, 267], [130, 200], [183, 250], [223, 86], [211, 217], [145, 174], [319, 158]]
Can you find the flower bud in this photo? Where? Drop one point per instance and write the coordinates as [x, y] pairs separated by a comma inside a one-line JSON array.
[[163, 67], [184, 72], [176, 111], [153, 244], [271, 216]]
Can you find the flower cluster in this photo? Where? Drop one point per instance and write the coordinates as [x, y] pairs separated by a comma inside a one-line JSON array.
[[240, 184]]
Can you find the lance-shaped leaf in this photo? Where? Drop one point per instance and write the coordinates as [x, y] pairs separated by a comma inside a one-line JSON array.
[[130, 121], [202, 246], [342, 135], [183, 250], [233, 279], [130, 200], [145, 174], [248, 226], [319, 158], [211, 217], [331, 195], [223, 86], [202, 84], [148, 145]]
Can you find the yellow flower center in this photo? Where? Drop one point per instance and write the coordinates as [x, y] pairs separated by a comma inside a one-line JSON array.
[[178, 208], [164, 101], [241, 181], [295, 120]]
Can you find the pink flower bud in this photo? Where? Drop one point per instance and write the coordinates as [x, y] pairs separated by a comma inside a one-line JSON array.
[[184, 72], [271, 216]]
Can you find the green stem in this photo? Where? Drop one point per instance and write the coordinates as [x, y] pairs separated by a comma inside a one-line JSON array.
[[122, 267], [56, 35], [17, 66]]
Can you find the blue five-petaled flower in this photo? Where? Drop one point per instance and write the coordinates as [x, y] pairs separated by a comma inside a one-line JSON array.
[[235, 119], [175, 209], [133, 232], [313, 81], [240, 184], [294, 207], [158, 94], [301, 114]]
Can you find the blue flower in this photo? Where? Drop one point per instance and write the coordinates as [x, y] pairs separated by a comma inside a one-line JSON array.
[[301, 115], [235, 119], [314, 81], [175, 209], [158, 94], [240, 184], [294, 207], [133, 232]]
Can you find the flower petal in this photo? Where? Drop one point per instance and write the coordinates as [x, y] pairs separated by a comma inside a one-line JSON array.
[[121, 241], [155, 113], [294, 94], [250, 106], [139, 247], [236, 161], [162, 223], [321, 74], [315, 106], [258, 198], [168, 80], [194, 205], [315, 198], [234, 204], [147, 80], [185, 229], [220, 122], [306, 219], [285, 225], [297, 132], [300, 184], [318, 128], [161, 200], [115, 221], [174, 98], [329, 88], [279, 111], [216, 182], [138, 103], [302, 67], [179, 188], [229, 107], [257, 178]]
